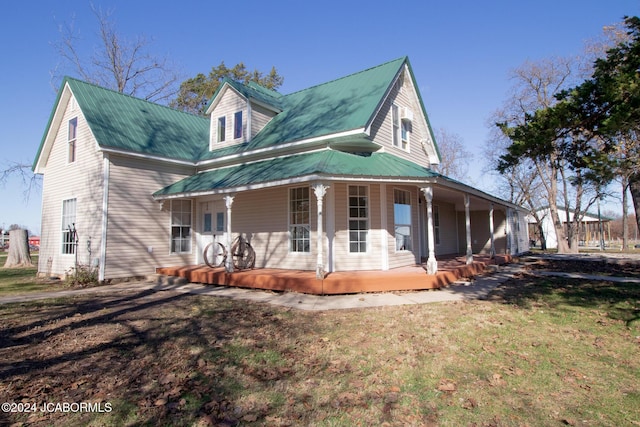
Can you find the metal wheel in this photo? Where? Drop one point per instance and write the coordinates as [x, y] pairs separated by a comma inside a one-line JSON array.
[[242, 254], [215, 254]]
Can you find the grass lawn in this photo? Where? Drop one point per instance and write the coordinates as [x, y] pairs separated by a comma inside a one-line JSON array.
[[537, 352], [15, 281]]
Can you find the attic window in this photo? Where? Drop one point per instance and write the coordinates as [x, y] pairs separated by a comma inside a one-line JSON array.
[[71, 142], [222, 128], [237, 125]]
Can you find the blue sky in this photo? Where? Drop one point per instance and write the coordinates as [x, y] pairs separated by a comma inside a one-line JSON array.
[[461, 53]]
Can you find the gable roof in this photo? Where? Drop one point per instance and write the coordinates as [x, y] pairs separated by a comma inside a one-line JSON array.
[[324, 163], [342, 105], [122, 122], [345, 106]]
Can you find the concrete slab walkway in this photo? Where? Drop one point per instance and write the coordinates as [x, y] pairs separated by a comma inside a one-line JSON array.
[[479, 288]]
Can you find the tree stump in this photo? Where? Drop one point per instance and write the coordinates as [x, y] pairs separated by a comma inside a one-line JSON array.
[[19, 255]]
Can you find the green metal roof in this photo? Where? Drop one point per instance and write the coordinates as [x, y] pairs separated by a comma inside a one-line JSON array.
[[340, 105], [330, 163], [126, 123]]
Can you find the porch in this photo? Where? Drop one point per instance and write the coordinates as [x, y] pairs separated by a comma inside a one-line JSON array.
[[344, 282]]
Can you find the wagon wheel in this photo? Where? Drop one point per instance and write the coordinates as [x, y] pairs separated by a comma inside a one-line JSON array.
[[242, 254], [214, 254]]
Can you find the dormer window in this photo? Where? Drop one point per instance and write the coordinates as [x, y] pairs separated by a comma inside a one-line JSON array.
[[222, 128], [71, 142], [237, 125]]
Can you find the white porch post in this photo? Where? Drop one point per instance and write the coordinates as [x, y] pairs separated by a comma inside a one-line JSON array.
[[432, 263], [468, 227], [320, 190], [228, 200], [493, 248]]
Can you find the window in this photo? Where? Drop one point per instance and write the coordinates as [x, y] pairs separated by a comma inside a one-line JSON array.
[[402, 219], [358, 218], [237, 125], [436, 223], [207, 223], [222, 128], [68, 226], [404, 133], [299, 227], [180, 226], [73, 128], [219, 221], [395, 117]]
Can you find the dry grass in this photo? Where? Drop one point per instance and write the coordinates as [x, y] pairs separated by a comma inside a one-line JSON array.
[[539, 352]]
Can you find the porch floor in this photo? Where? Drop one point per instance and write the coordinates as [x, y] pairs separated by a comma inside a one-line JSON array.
[[342, 282]]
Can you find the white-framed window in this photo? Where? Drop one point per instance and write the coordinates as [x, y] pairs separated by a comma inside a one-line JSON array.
[[358, 207], [180, 226], [222, 128], [237, 125], [71, 140], [299, 220], [405, 131], [395, 119], [436, 223], [402, 219], [68, 227]]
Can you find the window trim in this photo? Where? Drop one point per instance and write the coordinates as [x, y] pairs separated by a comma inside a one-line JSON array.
[[237, 125], [306, 226], [221, 129], [67, 243], [396, 223], [181, 238], [367, 219], [72, 153]]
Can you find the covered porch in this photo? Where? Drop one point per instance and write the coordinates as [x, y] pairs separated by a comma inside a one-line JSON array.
[[410, 278]]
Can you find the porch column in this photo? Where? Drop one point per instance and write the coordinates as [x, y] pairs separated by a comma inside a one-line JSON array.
[[507, 229], [493, 248], [468, 227], [228, 200], [320, 190], [432, 263]]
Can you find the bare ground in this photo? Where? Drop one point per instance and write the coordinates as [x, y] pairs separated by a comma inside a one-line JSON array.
[[177, 359]]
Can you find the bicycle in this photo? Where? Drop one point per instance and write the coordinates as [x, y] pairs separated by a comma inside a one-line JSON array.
[[215, 254], [243, 256]]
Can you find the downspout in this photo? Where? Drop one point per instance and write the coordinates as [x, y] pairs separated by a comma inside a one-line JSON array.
[[105, 216]]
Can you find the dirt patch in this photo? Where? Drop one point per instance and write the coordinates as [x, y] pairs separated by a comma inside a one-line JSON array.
[[176, 359]]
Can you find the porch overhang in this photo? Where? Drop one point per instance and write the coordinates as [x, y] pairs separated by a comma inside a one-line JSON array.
[[321, 165]]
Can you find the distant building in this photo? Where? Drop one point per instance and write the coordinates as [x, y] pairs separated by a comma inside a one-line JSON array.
[[588, 232]]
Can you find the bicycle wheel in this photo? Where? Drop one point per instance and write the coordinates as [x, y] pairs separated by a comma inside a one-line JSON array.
[[214, 254], [242, 254]]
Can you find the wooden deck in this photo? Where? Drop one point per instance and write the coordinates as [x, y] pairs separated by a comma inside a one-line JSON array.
[[343, 282]]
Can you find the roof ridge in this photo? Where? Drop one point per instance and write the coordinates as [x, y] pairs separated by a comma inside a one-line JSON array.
[[404, 58], [97, 86]]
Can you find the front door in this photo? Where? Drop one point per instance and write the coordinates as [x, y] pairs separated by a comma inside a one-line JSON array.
[[211, 226]]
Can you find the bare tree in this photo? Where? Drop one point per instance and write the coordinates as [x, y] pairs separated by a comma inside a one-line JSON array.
[[117, 63], [535, 87], [454, 159]]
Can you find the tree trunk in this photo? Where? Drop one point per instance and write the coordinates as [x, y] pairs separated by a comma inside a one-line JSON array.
[[634, 186], [19, 255]]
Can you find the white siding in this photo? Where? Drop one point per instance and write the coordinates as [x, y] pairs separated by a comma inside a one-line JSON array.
[[230, 103], [81, 180], [260, 116], [138, 227], [382, 127]]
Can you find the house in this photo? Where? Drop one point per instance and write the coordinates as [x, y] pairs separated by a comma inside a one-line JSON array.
[[592, 230], [335, 177]]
